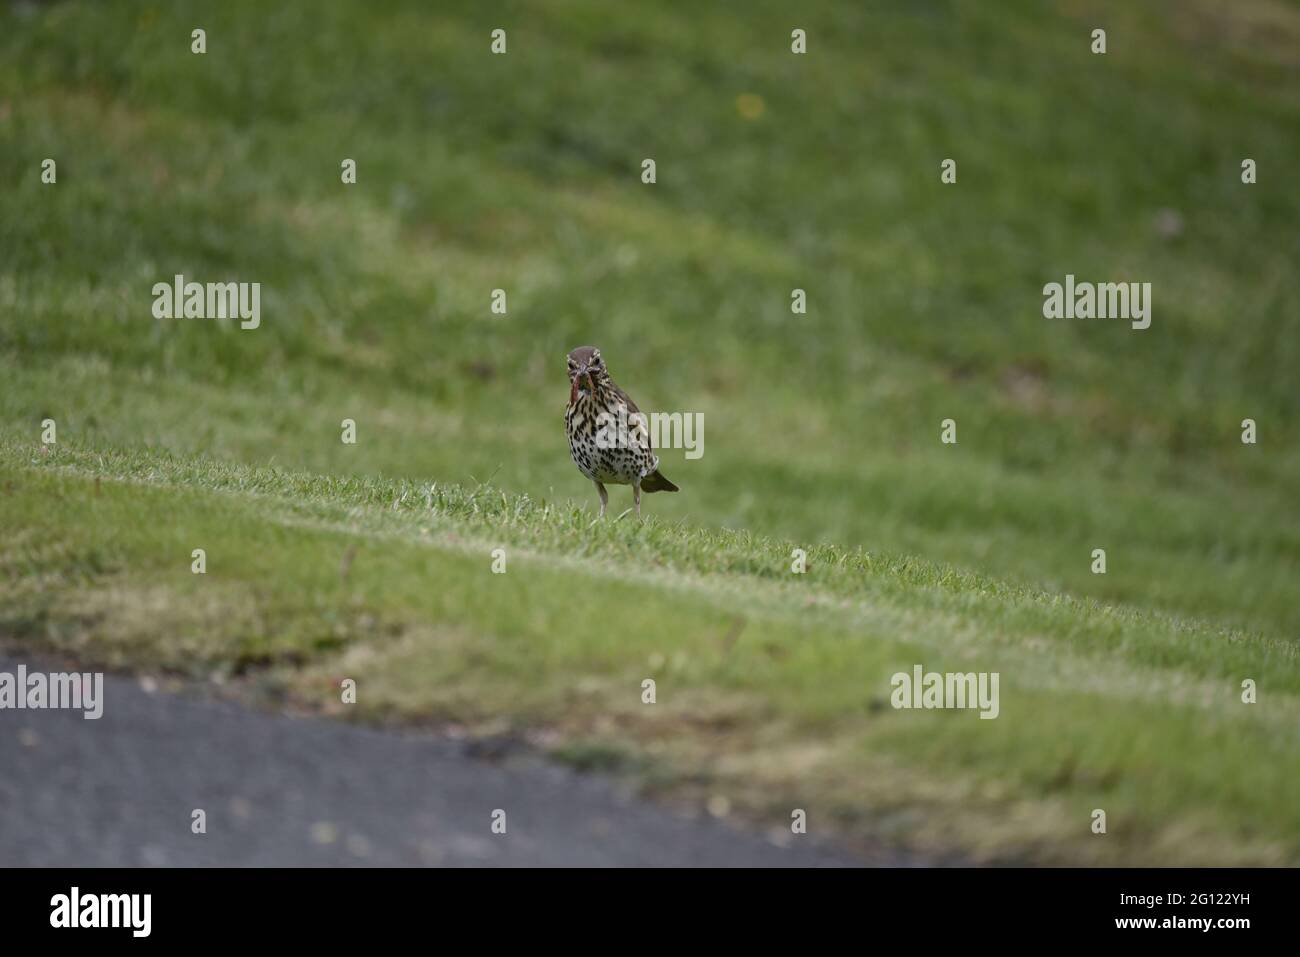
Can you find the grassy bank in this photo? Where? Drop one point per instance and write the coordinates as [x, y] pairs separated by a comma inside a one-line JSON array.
[[521, 172]]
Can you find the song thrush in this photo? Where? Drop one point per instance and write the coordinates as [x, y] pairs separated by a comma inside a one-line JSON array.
[[608, 438]]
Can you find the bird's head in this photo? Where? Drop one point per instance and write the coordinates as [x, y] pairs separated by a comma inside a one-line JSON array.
[[586, 370]]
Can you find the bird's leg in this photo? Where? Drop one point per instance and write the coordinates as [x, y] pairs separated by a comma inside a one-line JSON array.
[[636, 497], [604, 497]]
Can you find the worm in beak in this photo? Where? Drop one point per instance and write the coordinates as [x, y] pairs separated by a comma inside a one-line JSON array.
[[573, 389]]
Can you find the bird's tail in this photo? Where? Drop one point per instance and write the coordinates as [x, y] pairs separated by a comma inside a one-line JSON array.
[[655, 482]]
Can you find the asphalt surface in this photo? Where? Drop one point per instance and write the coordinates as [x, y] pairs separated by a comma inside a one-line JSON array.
[[280, 790]]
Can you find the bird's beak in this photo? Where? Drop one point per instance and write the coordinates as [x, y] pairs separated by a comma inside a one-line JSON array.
[[580, 376]]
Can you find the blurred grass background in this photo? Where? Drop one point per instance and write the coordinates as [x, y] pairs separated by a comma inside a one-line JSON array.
[[775, 171]]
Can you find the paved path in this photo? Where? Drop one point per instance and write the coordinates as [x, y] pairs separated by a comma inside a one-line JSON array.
[[279, 790]]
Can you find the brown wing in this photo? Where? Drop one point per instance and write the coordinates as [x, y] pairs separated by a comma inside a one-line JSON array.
[[624, 397], [644, 430]]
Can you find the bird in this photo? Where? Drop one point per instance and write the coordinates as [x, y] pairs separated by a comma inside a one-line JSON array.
[[607, 432]]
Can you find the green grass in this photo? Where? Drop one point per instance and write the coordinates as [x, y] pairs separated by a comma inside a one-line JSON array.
[[772, 688], [822, 431]]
